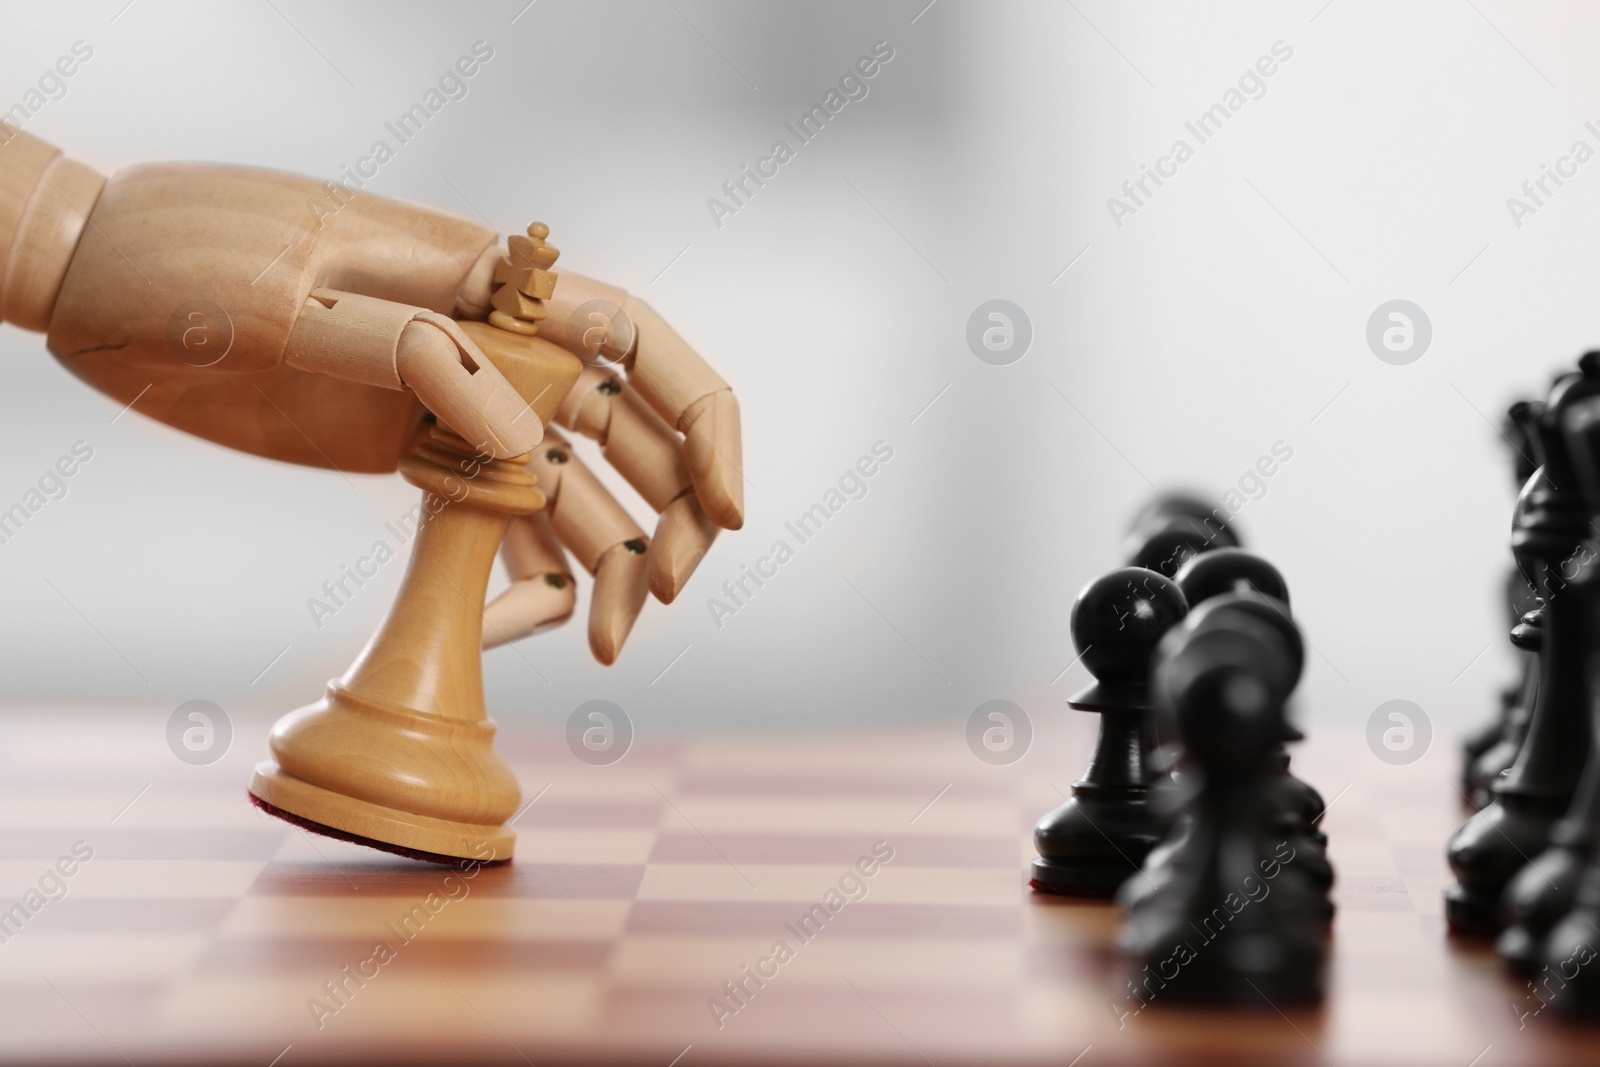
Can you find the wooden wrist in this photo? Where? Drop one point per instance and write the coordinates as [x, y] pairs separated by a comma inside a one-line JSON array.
[[45, 200]]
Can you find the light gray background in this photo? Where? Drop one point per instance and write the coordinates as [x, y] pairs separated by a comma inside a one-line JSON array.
[[1228, 314]]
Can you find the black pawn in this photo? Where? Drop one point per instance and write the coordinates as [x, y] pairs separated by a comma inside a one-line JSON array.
[[1294, 806], [1550, 525], [1165, 535], [1240, 924], [1299, 807], [1233, 570], [1544, 892], [1172, 529], [1099, 837], [1230, 570], [1206, 514], [1219, 573]]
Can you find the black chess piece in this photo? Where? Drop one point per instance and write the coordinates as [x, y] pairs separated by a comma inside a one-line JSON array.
[[1173, 528], [1165, 534], [1221, 571], [1567, 953], [1294, 816], [1099, 837], [1490, 750], [1544, 891], [1570, 972], [1549, 527], [1239, 923], [1210, 517], [1229, 570]]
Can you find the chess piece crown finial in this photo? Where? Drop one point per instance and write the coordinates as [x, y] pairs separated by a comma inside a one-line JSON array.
[[525, 281]]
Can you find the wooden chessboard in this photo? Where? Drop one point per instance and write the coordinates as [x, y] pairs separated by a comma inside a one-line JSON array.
[[200, 930]]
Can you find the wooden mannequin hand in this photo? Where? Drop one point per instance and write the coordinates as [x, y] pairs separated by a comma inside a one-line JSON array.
[[309, 323]]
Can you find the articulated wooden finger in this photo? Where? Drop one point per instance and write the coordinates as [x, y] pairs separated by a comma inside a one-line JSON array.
[[683, 389], [683, 536], [590, 523], [585, 516], [540, 371], [542, 593], [670, 373], [476, 299], [390, 345], [637, 442], [587, 318], [713, 450], [649, 454], [350, 336], [620, 587], [452, 376]]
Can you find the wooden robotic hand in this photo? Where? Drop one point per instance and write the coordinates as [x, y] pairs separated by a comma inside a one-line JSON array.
[[314, 323]]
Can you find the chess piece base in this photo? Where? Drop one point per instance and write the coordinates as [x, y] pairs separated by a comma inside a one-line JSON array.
[[1521, 950], [1160, 867], [1297, 979], [1301, 799], [1488, 851], [1472, 911], [403, 833], [1095, 842], [400, 752], [1568, 958], [1537, 899], [1063, 880]]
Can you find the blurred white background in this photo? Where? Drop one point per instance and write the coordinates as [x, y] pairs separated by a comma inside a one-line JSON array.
[[1227, 314]]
